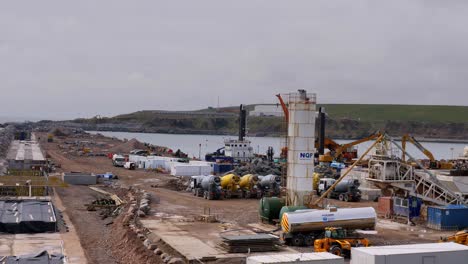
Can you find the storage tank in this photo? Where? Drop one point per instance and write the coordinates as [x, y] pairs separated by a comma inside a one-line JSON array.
[[301, 146], [270, 207], [303, 226], [290, 209]]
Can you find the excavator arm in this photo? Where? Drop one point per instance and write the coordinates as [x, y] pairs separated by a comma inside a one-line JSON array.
[[418, 145], [344, 147]]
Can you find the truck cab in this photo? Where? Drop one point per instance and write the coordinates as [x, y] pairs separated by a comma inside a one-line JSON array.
[[324, 184]]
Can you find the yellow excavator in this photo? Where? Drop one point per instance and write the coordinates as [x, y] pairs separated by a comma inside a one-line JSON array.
[[433, 163], [460, 237], [339, 242]]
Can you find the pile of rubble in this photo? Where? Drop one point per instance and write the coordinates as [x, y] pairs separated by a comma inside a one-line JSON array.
[[150, 241], [260, 167], [326, 171]]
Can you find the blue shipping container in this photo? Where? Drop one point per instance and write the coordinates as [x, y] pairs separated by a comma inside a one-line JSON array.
[[409, 207], [222, 168], [447, 218]]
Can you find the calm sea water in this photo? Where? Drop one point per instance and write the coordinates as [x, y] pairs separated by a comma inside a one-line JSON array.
[[202, 144]]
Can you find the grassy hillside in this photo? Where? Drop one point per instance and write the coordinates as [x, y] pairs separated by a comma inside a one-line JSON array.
[[421, 113], [344, 121]]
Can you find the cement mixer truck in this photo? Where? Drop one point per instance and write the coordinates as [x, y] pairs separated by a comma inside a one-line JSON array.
[[346, 190], [302, 227], [249, 186], [270, 185], [208, 187], [230, 185]]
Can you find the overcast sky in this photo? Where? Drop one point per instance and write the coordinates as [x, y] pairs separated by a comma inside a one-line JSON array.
[[67, 59]]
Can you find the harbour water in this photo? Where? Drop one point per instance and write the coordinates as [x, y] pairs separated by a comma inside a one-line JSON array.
[[199, 145]]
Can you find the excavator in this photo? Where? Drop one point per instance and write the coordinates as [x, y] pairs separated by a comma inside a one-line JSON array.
[[433, 163], [460, 237]]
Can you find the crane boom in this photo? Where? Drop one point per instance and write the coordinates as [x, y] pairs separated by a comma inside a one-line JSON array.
[[285, 108], [418, 145], [343, 147]]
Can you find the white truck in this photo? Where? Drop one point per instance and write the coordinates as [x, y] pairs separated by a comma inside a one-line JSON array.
[[118, 160]]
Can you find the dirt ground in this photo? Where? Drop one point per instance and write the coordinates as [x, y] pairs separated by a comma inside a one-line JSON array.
[[96, 237]]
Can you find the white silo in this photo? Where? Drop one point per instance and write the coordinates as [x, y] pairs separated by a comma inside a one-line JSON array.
[[301, 146]]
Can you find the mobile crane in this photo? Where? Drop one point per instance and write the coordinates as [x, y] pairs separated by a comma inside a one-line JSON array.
[[460, 237], [433, 163]]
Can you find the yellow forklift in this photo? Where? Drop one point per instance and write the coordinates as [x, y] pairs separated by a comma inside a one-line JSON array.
[[339, 241], [460, 237]]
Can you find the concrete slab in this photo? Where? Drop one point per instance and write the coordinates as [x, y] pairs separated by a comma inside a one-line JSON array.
[[182, 241], [22, 244]]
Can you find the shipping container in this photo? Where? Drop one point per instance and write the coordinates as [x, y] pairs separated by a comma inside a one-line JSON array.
[[78, 178], [453, 217], [385, 207], [304, 258], [434, 253], [222, 168], [407, 207]]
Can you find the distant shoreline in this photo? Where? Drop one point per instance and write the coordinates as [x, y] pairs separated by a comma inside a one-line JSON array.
[[420, 139]]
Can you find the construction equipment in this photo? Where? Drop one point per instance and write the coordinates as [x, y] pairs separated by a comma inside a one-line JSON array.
[[230, 185], [313, 204], [339, 241], [433, 163], [302, 227], [207, 186], [347, 190], [118, 160], [460, 237], [270, 185], [249, 186], [347, 152]]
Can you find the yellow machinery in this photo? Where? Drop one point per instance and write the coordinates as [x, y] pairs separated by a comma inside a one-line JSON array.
[[344, 151], [434, 164], [339, 242], [230, 184], [460, 237], [50, 138], [249, 186]]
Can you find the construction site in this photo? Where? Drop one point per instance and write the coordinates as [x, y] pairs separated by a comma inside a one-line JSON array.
[[68, 196]]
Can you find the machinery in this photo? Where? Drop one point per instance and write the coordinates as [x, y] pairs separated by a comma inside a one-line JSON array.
[[302, 227], [347, 190], [208, 187], [339, 241], [118, 160], [249, 186], [433, 163], [347, 152], [230, 185], [460, 237], [270, 185]]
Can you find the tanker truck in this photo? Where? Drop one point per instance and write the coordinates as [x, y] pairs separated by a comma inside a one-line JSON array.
[[249, 186], [270, 185], [346, 190], [302, 227], [230, 186], [208, 187]]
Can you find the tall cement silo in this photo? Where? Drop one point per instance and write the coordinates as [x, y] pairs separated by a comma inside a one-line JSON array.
[[301, 146]]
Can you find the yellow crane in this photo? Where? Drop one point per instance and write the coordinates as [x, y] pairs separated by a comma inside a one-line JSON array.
[[434, 164]]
